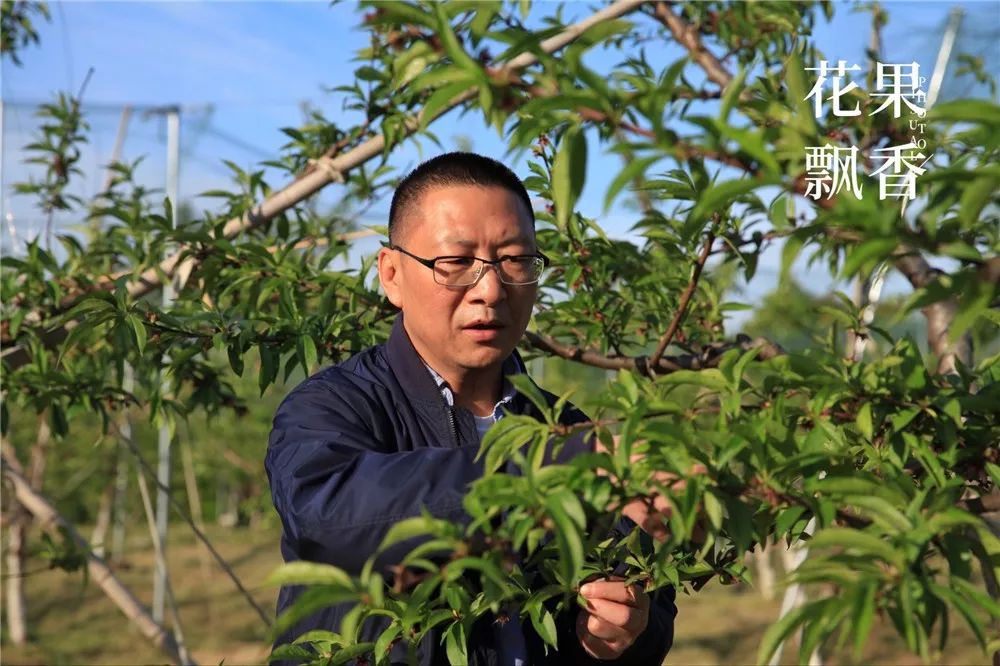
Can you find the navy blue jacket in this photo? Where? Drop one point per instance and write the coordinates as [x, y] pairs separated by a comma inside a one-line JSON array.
[[370, 441]]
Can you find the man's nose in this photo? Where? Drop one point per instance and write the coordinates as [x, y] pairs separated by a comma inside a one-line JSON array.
[[490, 288]]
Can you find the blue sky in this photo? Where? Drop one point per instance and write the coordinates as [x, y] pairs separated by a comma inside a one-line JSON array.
[[241, 70]]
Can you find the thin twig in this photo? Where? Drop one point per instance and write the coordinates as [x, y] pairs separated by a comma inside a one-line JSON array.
[[682, 307], [197, 532]]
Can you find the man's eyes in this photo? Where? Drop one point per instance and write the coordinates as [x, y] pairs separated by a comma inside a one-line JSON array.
[[457, 261], [516, 260]]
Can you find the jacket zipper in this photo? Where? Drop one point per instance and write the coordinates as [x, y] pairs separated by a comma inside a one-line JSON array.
[[453, 425]]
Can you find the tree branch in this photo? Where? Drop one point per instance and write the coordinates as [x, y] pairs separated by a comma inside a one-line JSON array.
[[908, 261], [708, 358], [916, 269], [47, 516], [682, 306], [687, 36], [329, 171]]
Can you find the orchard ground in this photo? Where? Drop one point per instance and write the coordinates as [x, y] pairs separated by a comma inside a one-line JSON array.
[[73, 623]]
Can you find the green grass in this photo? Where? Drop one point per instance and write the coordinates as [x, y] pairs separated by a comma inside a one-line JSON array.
[[73, 623]]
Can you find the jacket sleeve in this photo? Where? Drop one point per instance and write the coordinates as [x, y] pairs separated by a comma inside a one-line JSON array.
[[339, 483]]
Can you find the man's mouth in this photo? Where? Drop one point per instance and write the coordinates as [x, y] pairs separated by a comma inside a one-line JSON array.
[[486, 331], [486, 325]]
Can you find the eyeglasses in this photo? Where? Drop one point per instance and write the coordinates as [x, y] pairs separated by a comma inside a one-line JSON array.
[[465, 271]]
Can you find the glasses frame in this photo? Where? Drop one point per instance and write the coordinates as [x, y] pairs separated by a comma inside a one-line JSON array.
[[495, 263]]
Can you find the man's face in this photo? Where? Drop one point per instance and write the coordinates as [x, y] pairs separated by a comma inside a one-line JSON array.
[[458, 330]]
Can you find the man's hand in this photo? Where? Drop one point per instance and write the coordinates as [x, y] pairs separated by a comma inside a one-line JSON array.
[[613, 619], [652, 513]]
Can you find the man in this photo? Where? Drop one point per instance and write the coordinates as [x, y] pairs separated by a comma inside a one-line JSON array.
[[396, 428]]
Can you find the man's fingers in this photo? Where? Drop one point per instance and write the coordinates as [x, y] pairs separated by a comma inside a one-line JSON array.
[[595, 626], [633, 620], [598, 648], [611, 611], [615, 590]]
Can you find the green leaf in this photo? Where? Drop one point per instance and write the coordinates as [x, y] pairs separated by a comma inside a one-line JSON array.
[[994, 471], [384, 642], [235, 359], [862, 256], [789, 253], [633, 170], [310, 573], [795, 77], [862, 543], [545, 625], [975, 196], [453, 48], [962, 606], [787, 519], [408, 528], [966, 111], [716, 199], [973, 301], [440, 76], [710, 378], [455, 645], [441, 99], [307, 352], [864, 616], [731, 94], [138, 331], [570, 505], [569, 171], [527, 388], [882, 512], [291, 651], [779, 631], [568, 538], [779, 212], [864, 421], [269, 362], [713, 508], [346, 654], [504, 438]]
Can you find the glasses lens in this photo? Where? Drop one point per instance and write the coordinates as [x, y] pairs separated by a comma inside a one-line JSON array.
[[522, 270], [456, 271], [464, 271]]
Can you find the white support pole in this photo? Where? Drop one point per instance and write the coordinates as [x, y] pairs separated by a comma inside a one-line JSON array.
[[944, 55], [165, 434]]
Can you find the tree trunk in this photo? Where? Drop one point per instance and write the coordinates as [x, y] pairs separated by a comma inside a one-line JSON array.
[[761, 557], [119, 508], [99, 537], [191, 482], [100, 573], [16, 610]]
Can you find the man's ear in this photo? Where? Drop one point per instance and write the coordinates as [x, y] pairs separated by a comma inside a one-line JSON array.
[[389, 276]]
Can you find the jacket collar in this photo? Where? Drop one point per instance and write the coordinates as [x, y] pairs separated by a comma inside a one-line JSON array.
[[411, 371]]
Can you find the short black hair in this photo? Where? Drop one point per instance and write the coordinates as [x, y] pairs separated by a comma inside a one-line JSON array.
[[457, 168]]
